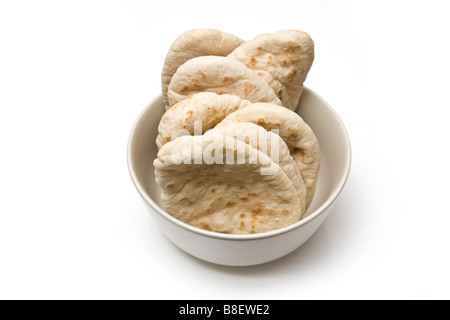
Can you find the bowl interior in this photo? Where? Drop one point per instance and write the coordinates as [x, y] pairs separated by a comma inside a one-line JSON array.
[[328, 128]]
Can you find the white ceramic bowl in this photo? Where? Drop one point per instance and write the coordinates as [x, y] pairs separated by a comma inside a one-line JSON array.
[[245, 250]]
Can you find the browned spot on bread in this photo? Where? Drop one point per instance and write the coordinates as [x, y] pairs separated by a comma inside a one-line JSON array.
[[189, 114], [285, 211], [202, 74], [199, 182], [242, 224], [284, 63], [252, 194], [269, 59], [293, 135], [244, 198], [227, 79], [213, 190], [259, 73], [295, 45], [184, 212], [221, 92], [187, 200], [259, 209], [294, 60], [170, 185], [185, 88], [252, 63], [254, 218], [292, 47], [261, 121], [296, 151], [243, 215], [230, 204], [292, 73], [205, 225], [168, 138]]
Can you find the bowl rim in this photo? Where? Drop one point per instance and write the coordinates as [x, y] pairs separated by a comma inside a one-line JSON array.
[[210, 234]]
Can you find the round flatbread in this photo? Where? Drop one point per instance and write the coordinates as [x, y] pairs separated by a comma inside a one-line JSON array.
[[282, 59], [228, 198], [200, 112], [195, 43], [293, 130], [270, 144], [220, 75]]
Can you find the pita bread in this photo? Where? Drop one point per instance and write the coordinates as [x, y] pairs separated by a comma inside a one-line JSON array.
[[293, 130], [270, 144], [195, 43], [220, 75], [227, 198], [206, 107], [282, 59]]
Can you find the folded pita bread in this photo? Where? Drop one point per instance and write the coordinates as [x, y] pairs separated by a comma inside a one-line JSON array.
[[227, 198], [195, 43], [293, 130], [282, 59], [270, 144], [207, 108], [220, 75]]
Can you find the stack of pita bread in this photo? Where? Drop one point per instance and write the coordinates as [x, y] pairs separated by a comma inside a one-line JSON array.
[[220, 93]]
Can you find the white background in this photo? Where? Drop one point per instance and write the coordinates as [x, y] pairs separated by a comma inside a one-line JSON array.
[[74, 75]]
